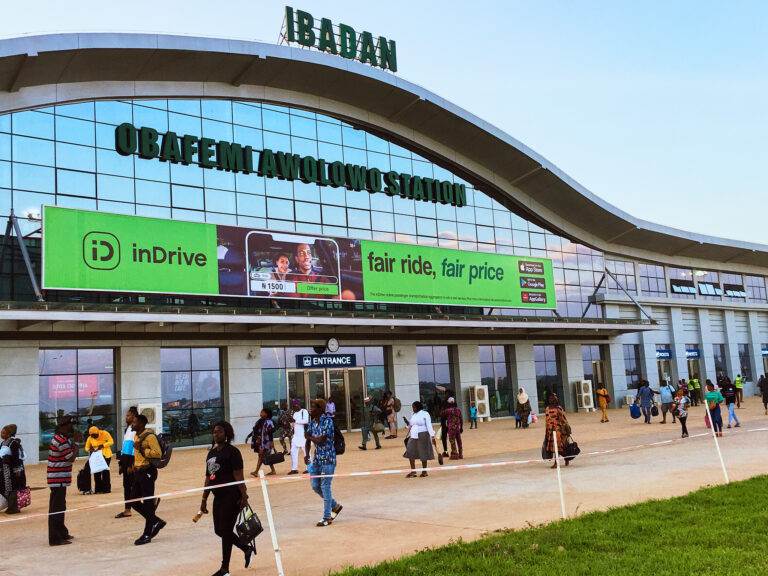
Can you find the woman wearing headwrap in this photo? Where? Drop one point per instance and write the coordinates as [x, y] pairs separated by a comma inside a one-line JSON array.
[[12, 475], [557, 422], [523, 408]]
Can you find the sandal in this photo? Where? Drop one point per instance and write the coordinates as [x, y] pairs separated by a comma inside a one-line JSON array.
[[424, 474], [411, 475], [124, 514]]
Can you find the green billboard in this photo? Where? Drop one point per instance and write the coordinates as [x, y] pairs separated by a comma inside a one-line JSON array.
[[96, 251]]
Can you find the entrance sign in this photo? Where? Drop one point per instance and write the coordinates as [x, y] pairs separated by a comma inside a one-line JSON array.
[[326, 360], [149, 144], [97, 251], [302, 28]]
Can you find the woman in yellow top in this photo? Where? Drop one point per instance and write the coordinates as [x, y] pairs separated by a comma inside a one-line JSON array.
[[603, 399], [100, 440]]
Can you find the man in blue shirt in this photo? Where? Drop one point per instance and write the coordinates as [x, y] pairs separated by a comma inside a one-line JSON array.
[[645, 398], [667, 393], [320, 433]]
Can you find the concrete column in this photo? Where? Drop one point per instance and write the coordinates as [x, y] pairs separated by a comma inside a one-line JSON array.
[[648, 366], [524, 372], [20, 394], [468, 373], [731, 345], [405, 378], [616, 370], [679, 361], [707, 360], [139, 376], [573, 370], [244, 397], [755, 353]]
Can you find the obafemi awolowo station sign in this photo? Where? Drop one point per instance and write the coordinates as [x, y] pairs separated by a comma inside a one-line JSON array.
[[150, 144]]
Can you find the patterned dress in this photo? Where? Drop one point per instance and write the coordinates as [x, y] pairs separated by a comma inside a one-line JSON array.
[[555, 421]]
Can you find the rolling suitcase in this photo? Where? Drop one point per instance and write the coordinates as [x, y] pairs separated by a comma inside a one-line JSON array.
[[84, 480]]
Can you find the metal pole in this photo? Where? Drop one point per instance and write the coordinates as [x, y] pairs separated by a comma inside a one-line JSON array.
[[714, 437], [271, 522], [27, 261], [559, 476]]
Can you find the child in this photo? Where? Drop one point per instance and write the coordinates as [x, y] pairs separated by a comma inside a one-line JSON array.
[[472, 415]]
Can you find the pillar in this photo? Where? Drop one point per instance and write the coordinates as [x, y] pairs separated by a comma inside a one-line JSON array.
[[573, 370], [755, 353], [707, 359], [244, 392], [615, 367], [523, 372], [139, 376], [679, 360], [404, 370], [20, 394], [731, 345], [468, 356]]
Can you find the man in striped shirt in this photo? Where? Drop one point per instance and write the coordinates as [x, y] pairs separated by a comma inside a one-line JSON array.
[[61, 454]]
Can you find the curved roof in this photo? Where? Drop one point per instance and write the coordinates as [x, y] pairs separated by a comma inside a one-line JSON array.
[[47, 69]]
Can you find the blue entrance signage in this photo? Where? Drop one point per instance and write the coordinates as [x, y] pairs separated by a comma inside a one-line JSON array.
[[764, 350], [691, 353], [663, 353], [326, 360]]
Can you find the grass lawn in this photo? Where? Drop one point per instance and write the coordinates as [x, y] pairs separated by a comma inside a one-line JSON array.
[[720, 531]]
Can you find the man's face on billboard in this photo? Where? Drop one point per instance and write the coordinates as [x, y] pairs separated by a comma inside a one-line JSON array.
[[303, 256], [282, 264]]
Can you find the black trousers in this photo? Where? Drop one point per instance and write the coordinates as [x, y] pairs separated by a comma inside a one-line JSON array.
[[144, 487], [102, 481], [225, 510], [57, 531], [683, 420], [444, 436]]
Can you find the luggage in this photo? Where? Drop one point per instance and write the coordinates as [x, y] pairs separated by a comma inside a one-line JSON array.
[[654, 410], [339, 444], [707, 422], [571, 449], [273, 458], [248, 527], [634, 411], [23, 498], [84, 480]]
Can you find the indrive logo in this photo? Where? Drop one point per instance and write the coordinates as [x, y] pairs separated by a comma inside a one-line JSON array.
[[101, 250]]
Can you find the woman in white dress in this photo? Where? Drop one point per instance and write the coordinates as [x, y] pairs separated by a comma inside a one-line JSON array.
[[421, 438]]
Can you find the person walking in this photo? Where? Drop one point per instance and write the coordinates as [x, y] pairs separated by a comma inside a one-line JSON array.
[[320, 433], [146, 448], [730, 393], [298, 441], [645, 398], [262, 440], [454, 424], [557, 422], [680, 406], [284, 429], [763, 385], [667, 396], [738, 383], [125, 460], [714, 398], [523, 407], [421, 439], [694, 389], [472, 415], [13, 477], [369, 417], [61, 453], [388, 407], [224, 465], [100, 440], [603, 399]]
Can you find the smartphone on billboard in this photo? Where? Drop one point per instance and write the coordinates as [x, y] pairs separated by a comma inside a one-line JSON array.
[[292, 266]]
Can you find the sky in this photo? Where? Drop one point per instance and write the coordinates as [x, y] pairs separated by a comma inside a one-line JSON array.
[[657, 107]]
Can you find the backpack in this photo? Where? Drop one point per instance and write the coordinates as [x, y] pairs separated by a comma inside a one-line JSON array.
[[166, 450], [398, 405], [339, 444]]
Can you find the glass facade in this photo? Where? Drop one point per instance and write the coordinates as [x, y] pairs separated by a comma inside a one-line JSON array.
[[745, 364], [276, 361], [77, 382], [494, 373], [191, 393], [548, 374], [435, 378], [632, 369], [721, 367]]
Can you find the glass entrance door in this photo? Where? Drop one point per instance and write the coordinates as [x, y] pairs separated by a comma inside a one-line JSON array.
[[665, 371], [346, 387], [693, 369]]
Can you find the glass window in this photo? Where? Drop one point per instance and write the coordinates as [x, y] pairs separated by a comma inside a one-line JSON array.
[[80, 383], [435, 378], [282, 209], [33, 151], [745, 362], [75, 131], [31, 123], [217, 110], [721, 367], [548, 375], [157, 193], [756, 288], [191, 393], [632, 365], [494, 373], [624, 271], [76, 183], [187, 197], [115, 188], [652, 281], [246, 114]]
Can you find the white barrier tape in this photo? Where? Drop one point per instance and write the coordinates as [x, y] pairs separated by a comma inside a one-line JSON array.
[[304, 477]]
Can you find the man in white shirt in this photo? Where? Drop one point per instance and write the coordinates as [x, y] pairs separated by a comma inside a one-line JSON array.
[[300, 421]]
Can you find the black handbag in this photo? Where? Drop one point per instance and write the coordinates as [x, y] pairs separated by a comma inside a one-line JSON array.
[[274, 457], [546, 454], [571, 449], [654, 410], [248, 526]]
